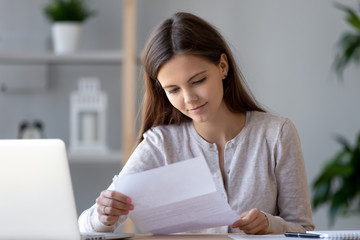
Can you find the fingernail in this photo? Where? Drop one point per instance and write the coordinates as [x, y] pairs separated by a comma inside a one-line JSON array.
[[128, 200], [233, 226], [131, 207]]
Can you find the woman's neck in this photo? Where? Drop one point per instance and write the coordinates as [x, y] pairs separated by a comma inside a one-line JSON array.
[[225, 127]]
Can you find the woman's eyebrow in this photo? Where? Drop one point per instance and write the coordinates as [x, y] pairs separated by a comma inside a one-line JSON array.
[[191, 78]]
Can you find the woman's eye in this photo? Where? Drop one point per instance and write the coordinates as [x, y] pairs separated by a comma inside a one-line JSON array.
[[174, 90], [200, 81]]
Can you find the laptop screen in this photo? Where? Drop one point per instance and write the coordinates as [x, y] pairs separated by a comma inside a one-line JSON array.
[[37, 200]]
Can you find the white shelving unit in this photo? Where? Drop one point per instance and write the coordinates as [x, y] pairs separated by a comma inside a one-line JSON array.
[[95, 57], [81, 58], [111, 157]]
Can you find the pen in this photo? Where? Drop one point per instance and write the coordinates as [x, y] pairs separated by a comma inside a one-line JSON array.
[[302, 235]]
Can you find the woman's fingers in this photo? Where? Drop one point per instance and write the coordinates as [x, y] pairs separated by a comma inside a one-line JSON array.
[[252, 222], [111, 205], [109, 194], [114, 199]]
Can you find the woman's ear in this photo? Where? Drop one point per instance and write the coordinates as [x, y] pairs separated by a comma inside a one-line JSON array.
[[224, 65]]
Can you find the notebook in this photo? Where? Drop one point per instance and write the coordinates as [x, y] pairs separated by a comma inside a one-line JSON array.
[[343, 234], [37, 200]]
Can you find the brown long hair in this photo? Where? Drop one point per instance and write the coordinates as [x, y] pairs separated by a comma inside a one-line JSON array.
[[187, 34]]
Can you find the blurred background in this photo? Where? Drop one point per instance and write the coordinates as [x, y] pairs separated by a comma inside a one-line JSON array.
[[284, 48]]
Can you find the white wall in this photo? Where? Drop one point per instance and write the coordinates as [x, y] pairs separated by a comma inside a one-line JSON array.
[[285, 49]]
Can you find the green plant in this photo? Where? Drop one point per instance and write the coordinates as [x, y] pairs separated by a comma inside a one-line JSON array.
[[339, 182], [349, 43], [67, 10]]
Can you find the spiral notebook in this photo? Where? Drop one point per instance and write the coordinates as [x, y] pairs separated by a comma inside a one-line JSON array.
[[343, 234]]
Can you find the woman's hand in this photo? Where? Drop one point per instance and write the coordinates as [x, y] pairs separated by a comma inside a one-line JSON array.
[[252, 222], [111, 205]]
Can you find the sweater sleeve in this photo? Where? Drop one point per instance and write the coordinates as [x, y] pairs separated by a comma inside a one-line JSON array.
[[89, 222], [294, 208]]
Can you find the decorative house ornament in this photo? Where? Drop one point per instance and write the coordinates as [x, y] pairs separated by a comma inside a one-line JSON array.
[[88, 117]]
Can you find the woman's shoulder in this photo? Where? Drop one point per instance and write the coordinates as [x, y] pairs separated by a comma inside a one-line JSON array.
[[266, 118], [268, 122]]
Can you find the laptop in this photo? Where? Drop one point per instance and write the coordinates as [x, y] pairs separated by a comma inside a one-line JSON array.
[[37, 200]]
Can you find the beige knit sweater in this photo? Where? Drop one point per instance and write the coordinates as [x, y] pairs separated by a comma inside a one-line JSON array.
[[264, 169]]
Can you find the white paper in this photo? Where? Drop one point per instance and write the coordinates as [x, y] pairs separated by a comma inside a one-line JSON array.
[[175, 198]]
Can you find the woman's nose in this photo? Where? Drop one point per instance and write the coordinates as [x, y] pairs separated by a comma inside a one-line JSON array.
[[190, 96]]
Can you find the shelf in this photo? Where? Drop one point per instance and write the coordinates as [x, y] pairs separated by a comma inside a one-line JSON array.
[[95, 57], [111, 157]]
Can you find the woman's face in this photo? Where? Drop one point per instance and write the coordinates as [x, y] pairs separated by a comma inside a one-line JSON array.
[[194, 85]]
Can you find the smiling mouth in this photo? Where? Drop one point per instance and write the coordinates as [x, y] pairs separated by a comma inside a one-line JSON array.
[[197, 108]]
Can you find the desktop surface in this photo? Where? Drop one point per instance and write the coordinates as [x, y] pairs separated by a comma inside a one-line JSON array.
[[181, 237], [217, 236]]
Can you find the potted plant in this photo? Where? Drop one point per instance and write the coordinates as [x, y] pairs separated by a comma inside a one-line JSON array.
[[338, 184], [67, 17]]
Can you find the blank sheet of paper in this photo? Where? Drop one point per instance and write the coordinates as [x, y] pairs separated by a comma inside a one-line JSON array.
[[175, 198]]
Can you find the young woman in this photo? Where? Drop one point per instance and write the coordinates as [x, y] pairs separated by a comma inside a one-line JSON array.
[[196, 103]]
